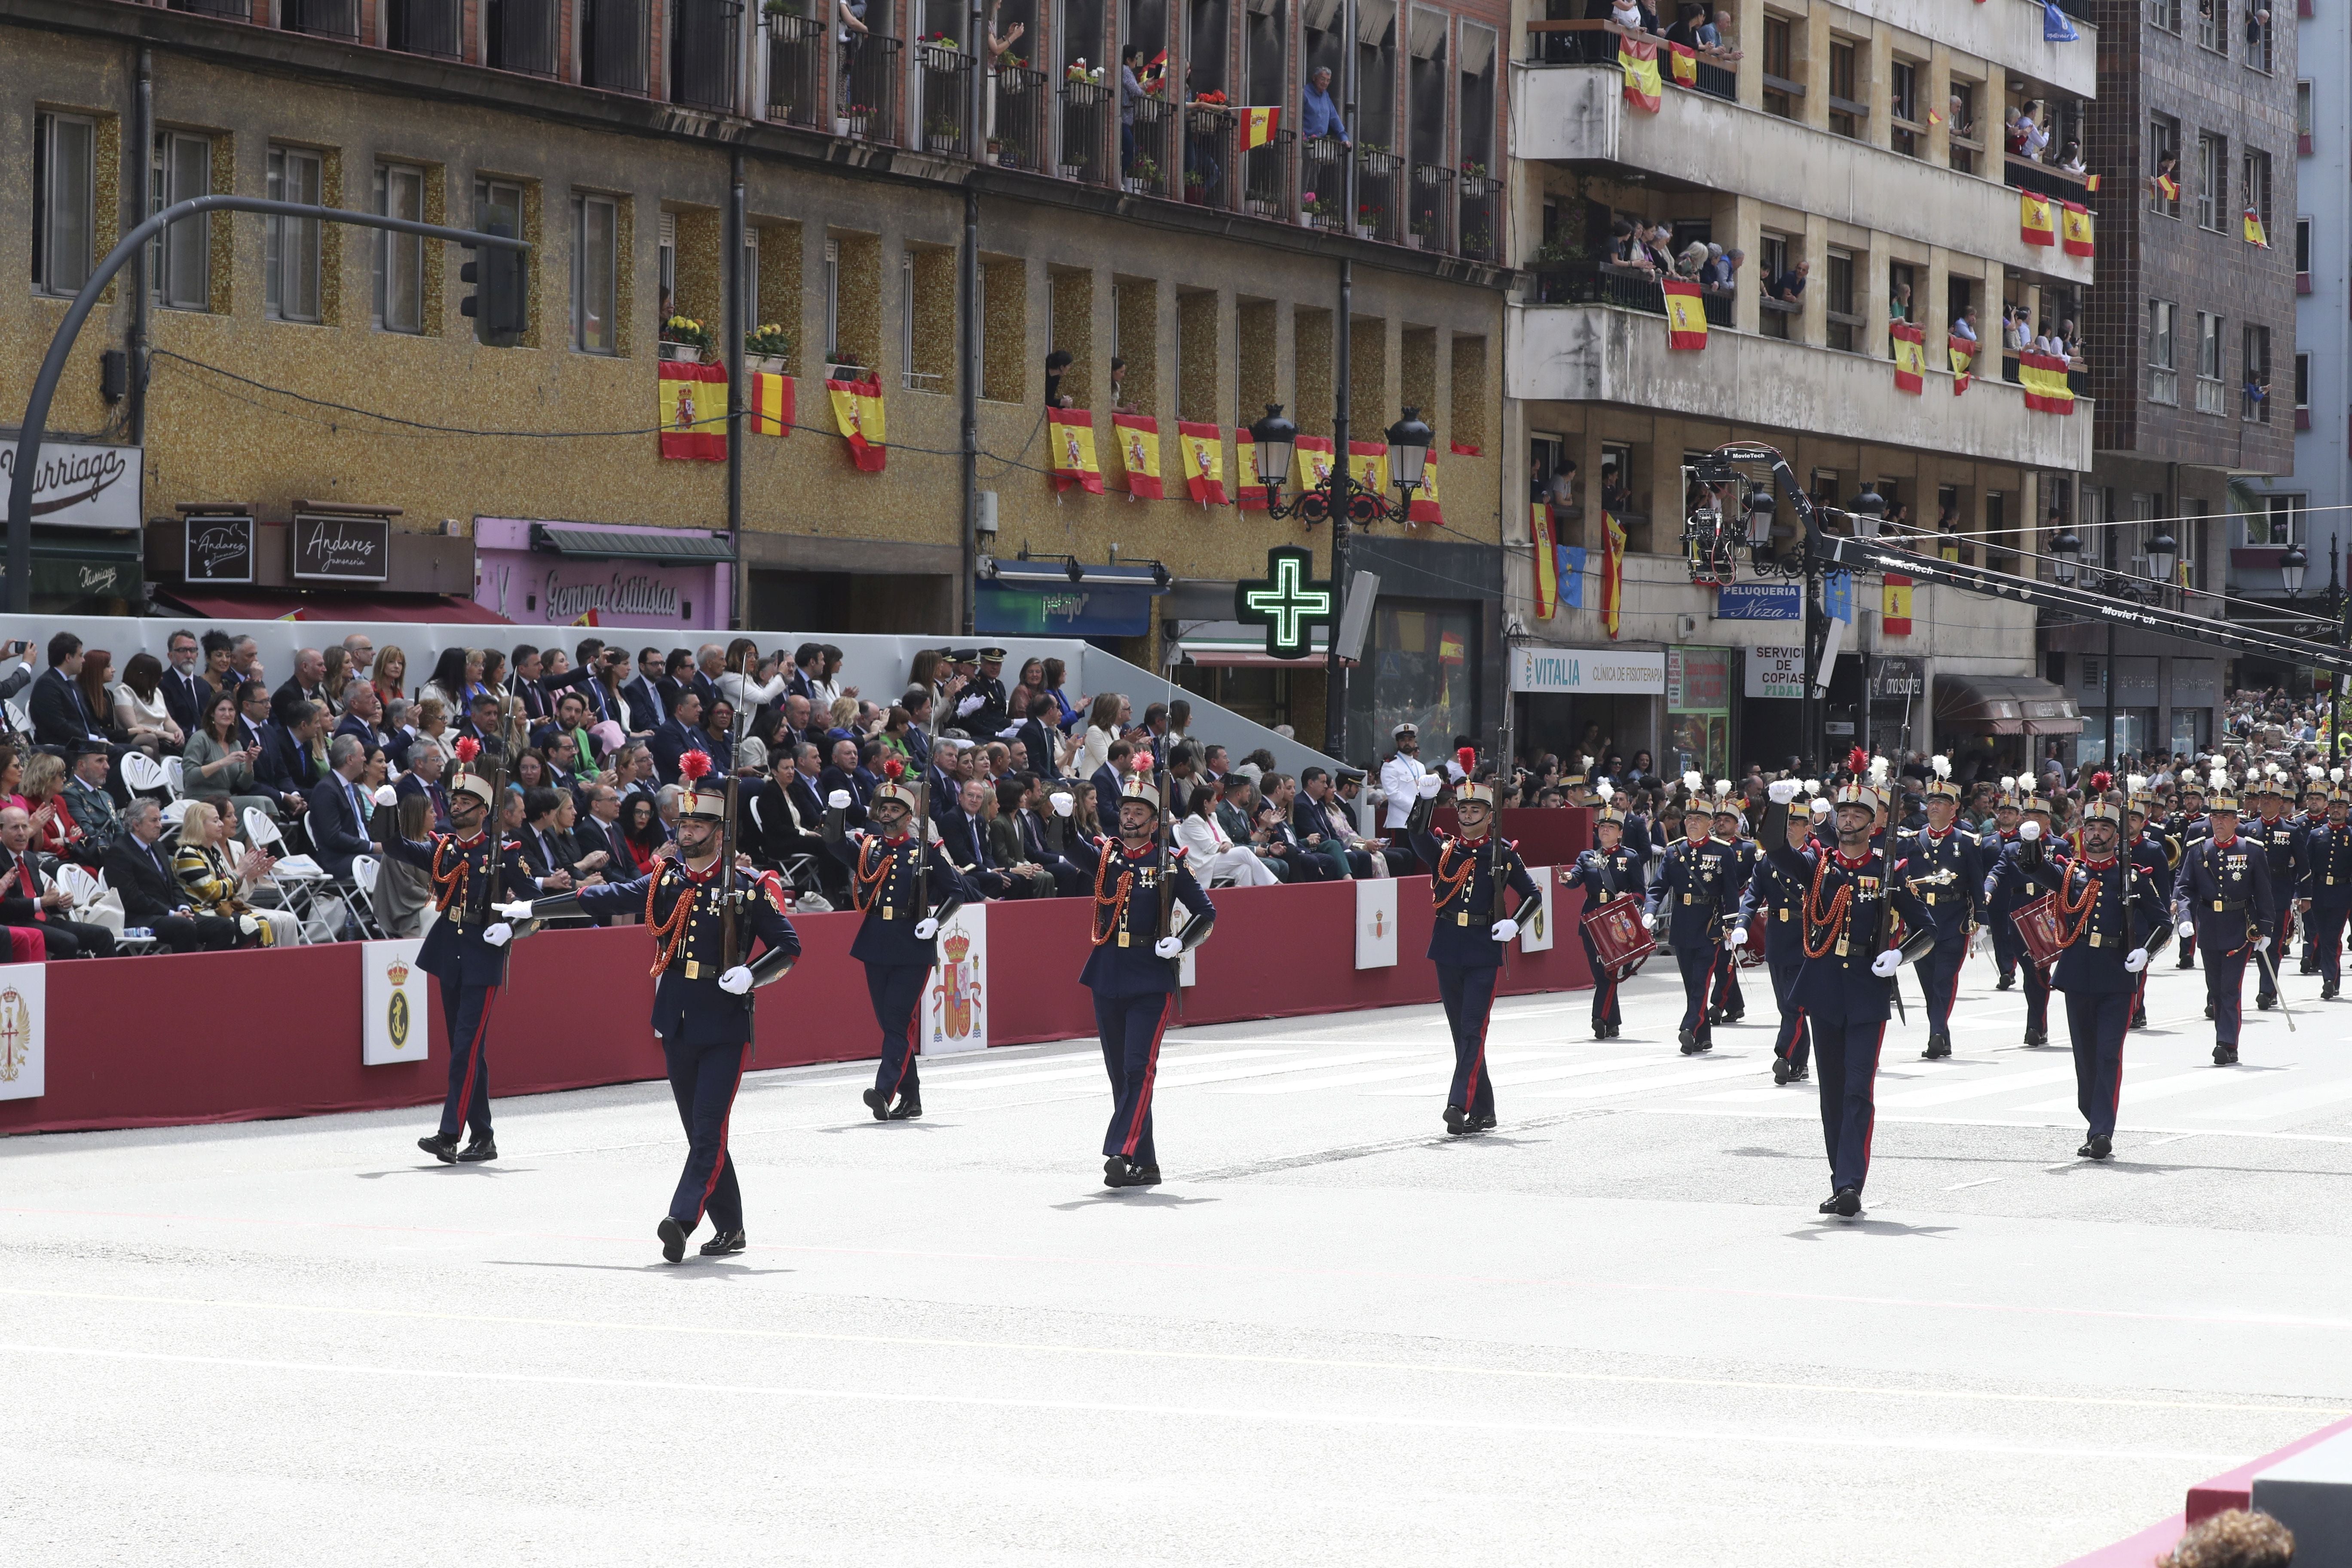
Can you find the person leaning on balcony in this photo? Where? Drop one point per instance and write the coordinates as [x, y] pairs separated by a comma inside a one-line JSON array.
[[1789, 288], [1319, 116], [1716, 37], [1058, 364], [1964, 329], [1723, 271]]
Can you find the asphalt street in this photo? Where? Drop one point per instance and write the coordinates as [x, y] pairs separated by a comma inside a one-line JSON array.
[[1613, 1331]]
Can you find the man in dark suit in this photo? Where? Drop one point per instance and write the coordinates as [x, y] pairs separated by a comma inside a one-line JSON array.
[[598, 829], [137, 869], [709, 661], [1312, 815], [60, 717], [1109, 780], [29, 898], [808, 671], [287, 767], [964, 832], [679, 733], [917, 702], [846, 774], [363, 720], [1279, 792], [424, 778], [536, 701], [1036, 737], [305, 685], [186, 693], [1068, 881], [548, 846], [643, 693], [337, 824]]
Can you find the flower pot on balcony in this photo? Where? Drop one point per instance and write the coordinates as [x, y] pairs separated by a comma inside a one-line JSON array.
[[942, 145], [1413, 241], [682, 353], [841, 125], [1306, 220], [1363, 231], [1072, 170], [1263, 209], [1196, 195], [990, 158], [764, 364], [1134, 187]]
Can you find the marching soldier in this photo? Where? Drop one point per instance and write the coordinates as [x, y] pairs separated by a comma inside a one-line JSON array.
[[2225, 892], [2186, 823], [1606, 872], [898, 940], [1947, 872], [1470, 872], [2282, 839], [2327, 889], [1994, 844], [1132, 970], [2028, 869], [702, 993], [2147, 846], [466, 949], [1778, 899], [2111, 917], [2314, 818], [1695, 898], [1728, 1005], [1847, 985]]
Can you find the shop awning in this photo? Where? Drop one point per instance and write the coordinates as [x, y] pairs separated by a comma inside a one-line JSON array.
[[2006, 705], [276, 604], [616, 544], [1230, 644]]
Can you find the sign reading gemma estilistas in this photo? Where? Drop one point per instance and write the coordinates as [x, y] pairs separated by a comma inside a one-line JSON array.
[[342, 549], [219, 548]]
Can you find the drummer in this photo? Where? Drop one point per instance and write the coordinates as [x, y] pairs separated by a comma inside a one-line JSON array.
[[1610, 870]]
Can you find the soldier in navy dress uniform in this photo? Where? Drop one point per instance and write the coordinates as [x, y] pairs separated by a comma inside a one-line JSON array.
[[2224, 894], [1474, 874], [1852, 893], [2282, 839], [2027, 869], [1133, 968], [1948, 873], [466, 947], [1727, 1005], [2327, 887], [904, 906], [2111, 917], [1993, 844], [1608, 871], [2146, 845], [702, 993], [2186, 824], [1777, 898], [1693, 904]]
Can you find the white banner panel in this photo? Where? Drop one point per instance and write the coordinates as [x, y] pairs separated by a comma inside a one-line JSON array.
[[1534, 931], [955, 1001], [394, 996], [1776, 670], [24, 1030], [1375, 922]]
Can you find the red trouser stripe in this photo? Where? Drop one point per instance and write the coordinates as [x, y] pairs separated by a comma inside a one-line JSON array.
[[1151, 1076], [719, 1160], [474, 1056], [1470, 1087]]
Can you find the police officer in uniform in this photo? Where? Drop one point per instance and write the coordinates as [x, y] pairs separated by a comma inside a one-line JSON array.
[[1729, 1005], [1853, 892], [1470, 929], [903, 905], [1132, 970], [465, 949], [1610, 870], [2028, 869], [2111, 917], [2224, 893], [1947, 871], [1692, 905], [2282, 839], [702, 993], [2327, 889], [1778, 899]]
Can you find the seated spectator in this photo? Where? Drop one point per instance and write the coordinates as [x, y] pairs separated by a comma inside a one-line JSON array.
[[529, 771], [28, 897], [140, 873], [1387, 859], [218, 760], [1045, 839], [718, 738], [93, 808], [55, 831], [337, 819], [846, 773], [215, 875], [290, 765], [643, 835], [1322, 861], [1026, 878], [682, 732], [1110, 778], [597, 831], [140, 711], [548, 846], [963, 833], [1216, 859]]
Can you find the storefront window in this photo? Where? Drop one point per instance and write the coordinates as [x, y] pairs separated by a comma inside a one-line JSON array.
[[1423, 672], [1698, 708], [2192, 730]]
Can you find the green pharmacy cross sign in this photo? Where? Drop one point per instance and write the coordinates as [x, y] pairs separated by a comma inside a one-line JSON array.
[[1286, 601]]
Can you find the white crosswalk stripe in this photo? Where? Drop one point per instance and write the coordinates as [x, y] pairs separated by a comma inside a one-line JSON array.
[[1693, 1075], [1973, 1089]]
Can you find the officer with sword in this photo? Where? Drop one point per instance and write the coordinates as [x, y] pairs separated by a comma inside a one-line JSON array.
[[2224, 895]]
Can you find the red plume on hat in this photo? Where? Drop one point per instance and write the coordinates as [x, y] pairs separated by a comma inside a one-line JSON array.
[[2102, 781], [893, 769], [1468, 757], [468, 748], [693, 765], [1857, 762], [1138, 761]]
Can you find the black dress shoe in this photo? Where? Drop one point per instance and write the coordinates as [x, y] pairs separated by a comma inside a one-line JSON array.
[[673, 1239], [1714, 1016], [725, 1242], [2208, 1009], [483, 1147], [1485, 1123], [1782, 1072], [2327, 990], [2008, 982], [1848, 1201], [1938, 1048], [2037, 1037], [442, 1149], [877, 1103], [2265, 1003], [909, 1108], [2187, 960], [1688, 1041], [1829, 1205], [2102, 1147], [2085, 1151], [1458, 1120], [1140, 1175], [2139, 1018], [1735, 1016], [2223, 1056], [1115, 1171]]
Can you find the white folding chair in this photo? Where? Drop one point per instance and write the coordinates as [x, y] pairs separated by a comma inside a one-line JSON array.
[[84, 888], [292, 876], [20, 716], [175, 776], [142, 773], [366, 869]]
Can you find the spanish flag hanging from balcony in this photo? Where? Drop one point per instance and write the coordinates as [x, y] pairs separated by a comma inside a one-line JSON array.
[[1964, 359], [1203, 450], [772, 400], [1639, 60], [1895, 611], [1070, 442], [2074, 221], [2035, 224], [1138, 435], [2167, 187], [1910, 357], [1685, 314], [1546, 561], [858, 413], [1249, 495], [1423, 507], [2043, 377], [1368, 466], [1258, 126], [2255, 234], [1314, 462], [1613, 574], [2091, 183], [1684, 61], [694, 411]]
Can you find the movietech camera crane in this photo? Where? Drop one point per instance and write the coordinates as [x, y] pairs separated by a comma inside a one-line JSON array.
[[1714, 540]]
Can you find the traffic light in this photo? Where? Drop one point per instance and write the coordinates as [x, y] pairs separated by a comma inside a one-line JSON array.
[[495, 303]]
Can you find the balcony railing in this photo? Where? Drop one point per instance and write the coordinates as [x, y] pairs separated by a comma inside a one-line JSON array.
[[1266, 176], [1379, 197], [796, 68], [329, 18], [1086, 109], [869, 87], [1429, 210], [2045, 179], [424, 27], [613, 54], [942, 81], [1629, 288], [1210, 140], [702, 52], [230, 10], [1017, 119], [1481, 197], [521, 34], [1151, 171], [1573, 43], [1323, 175]]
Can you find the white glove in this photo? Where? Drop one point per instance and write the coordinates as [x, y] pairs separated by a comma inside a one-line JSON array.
[[1736, 937], [1167, 947], [386, 796], [926, 929], [499, 934], [1649, 922], [1429, 785], [736, 981], [2029, 830], [1504, 930], [1782, 791], [517, 911], [838, 800], [2262, 944], [1886, 963], [2185, 929], [970, 705], [1377, 796], [1064, 804], [2134, 961]]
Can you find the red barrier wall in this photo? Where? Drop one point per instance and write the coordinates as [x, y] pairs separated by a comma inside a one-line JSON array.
[[170, 1040]]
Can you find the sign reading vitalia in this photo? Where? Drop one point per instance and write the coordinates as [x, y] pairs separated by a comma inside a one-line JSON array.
[[955, 1001], [333, 549], [218, 550], [1593, 669], [78, 485]]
